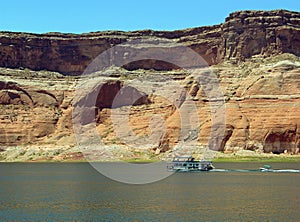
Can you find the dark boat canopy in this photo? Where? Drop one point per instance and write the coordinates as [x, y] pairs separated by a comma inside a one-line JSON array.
[[184, 159]]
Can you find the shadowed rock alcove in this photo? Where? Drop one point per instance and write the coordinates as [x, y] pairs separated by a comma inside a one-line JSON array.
[[149, 64], [280, 142], [114, 94], [109, 95]]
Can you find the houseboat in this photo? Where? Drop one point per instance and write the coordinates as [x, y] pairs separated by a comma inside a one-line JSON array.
[[189, 164]]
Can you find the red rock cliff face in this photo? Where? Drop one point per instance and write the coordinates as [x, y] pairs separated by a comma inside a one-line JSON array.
[[260, 83], [249, 33], [243, 35]]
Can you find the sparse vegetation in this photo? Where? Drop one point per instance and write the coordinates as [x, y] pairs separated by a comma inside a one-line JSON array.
[[106, 132]]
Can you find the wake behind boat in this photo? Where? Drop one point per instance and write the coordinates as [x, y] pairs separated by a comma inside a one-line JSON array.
[[189, 164], [265, 168], [268, 168]]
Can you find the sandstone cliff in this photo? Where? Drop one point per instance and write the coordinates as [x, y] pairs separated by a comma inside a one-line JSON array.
[[241, 36], [255, 55]]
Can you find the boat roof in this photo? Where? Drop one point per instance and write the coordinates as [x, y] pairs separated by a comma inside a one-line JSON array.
[[183, 156], [189, 158]]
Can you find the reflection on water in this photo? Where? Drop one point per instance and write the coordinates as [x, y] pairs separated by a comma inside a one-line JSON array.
[[67, 191]]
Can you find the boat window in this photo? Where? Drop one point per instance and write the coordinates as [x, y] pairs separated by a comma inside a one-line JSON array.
[[184, 164]]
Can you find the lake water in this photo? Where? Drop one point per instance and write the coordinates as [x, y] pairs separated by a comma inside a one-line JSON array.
[[77, 192]]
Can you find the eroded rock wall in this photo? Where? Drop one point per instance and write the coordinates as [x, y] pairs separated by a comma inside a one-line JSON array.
[[242, 35], [249, 33], [260, 85]]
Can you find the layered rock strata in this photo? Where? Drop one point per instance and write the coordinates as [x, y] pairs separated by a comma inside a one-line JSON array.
[[254, 54], [242, 35]]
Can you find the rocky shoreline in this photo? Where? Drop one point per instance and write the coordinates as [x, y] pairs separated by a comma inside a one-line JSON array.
[[74, 155]]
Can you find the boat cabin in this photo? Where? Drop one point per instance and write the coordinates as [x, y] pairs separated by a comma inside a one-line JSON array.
[[188, 163]]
